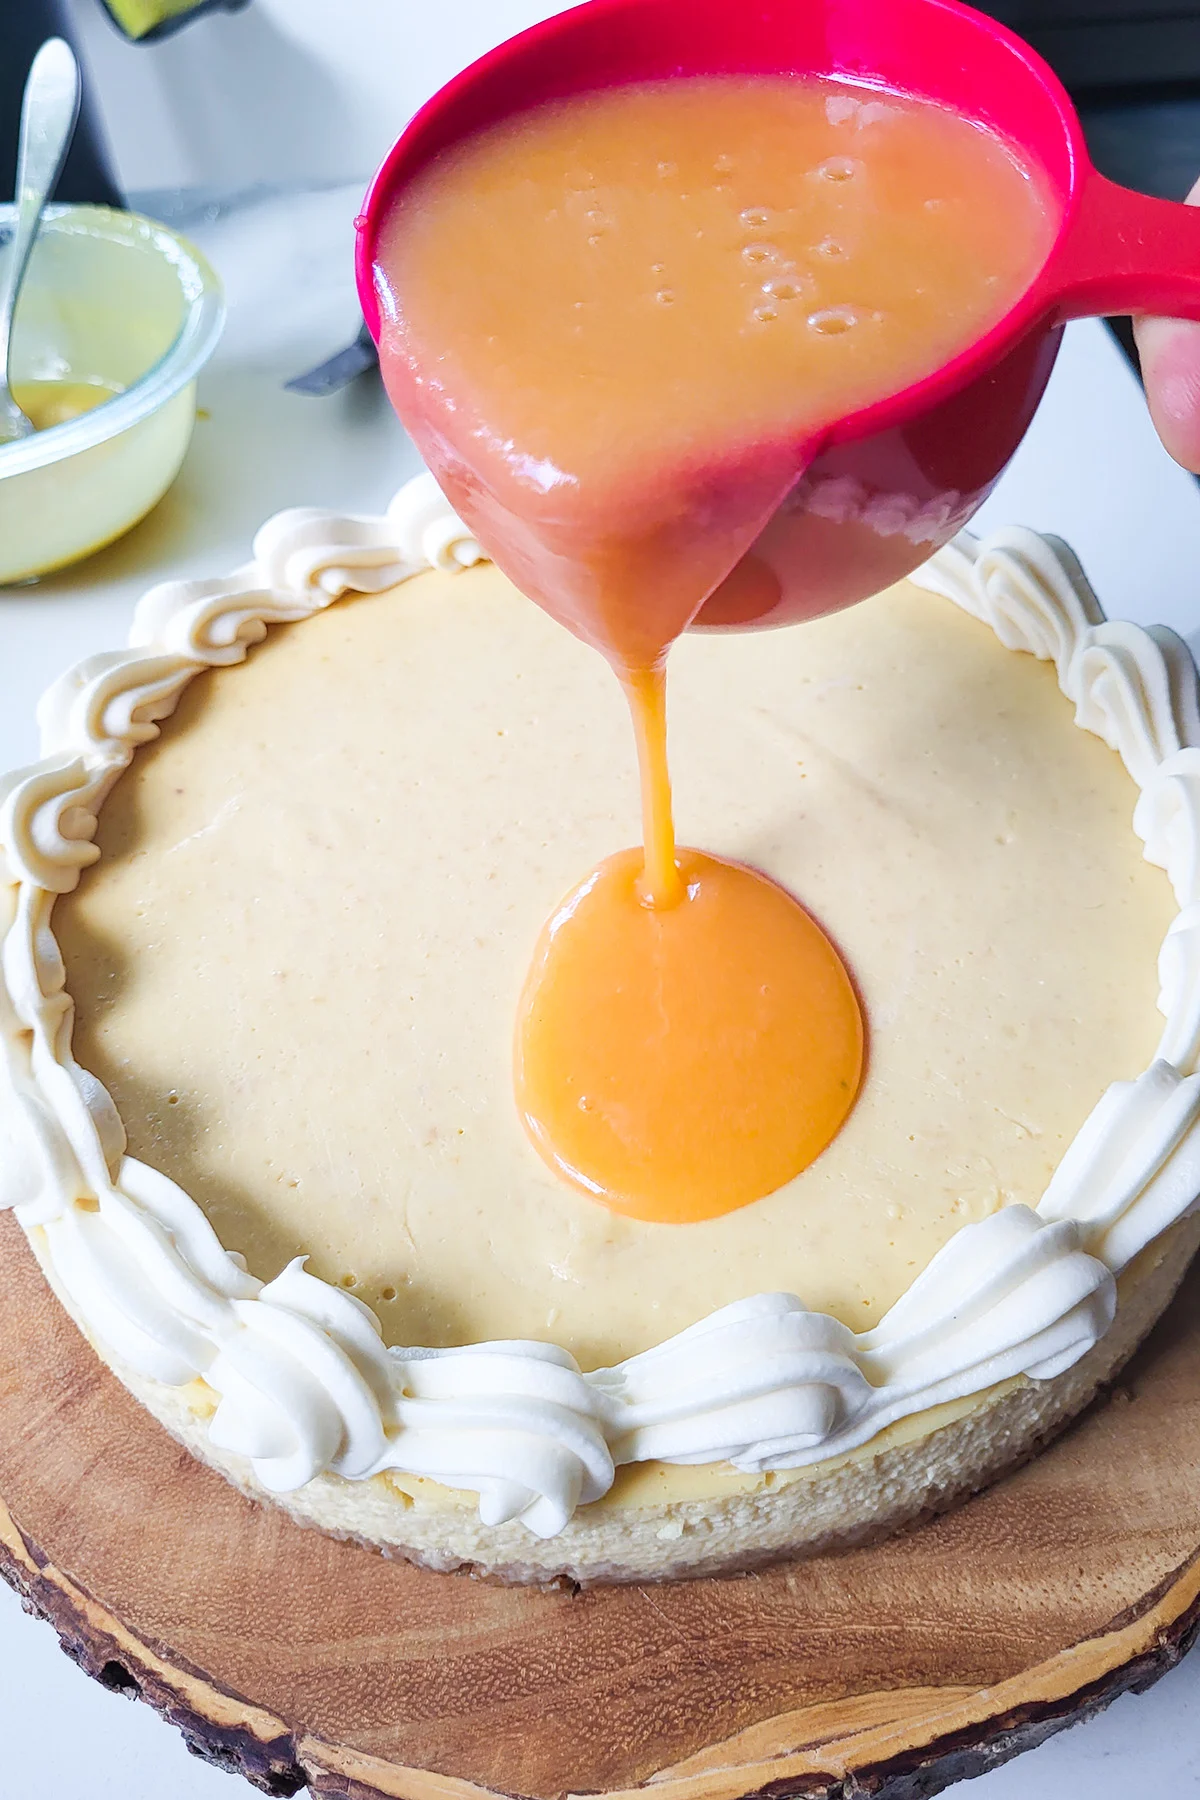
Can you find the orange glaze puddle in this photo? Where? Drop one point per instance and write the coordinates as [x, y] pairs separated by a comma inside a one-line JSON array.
[[616, 326], [688, 1038], [680, 1063]]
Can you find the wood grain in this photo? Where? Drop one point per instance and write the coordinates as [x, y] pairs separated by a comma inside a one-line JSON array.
[[294, 1658]]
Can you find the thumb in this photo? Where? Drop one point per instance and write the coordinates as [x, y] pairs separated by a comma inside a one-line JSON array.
[[1170, 354]]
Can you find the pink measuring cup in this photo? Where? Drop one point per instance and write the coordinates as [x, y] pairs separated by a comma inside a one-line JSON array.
[[887, 485]]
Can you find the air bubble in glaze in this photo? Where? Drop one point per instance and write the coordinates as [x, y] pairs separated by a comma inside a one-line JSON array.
[[759, 253], [837, 168], [832, 321], [755, 217]]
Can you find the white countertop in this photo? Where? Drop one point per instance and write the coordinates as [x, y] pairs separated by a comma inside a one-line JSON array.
[[1091, 470]]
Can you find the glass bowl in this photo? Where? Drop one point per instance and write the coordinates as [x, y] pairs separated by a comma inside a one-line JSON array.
[[116, 301]]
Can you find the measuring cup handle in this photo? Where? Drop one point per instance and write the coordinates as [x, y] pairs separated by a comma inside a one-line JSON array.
[[1127, 253]]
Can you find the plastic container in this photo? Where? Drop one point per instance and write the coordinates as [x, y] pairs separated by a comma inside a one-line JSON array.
[[114, 299]]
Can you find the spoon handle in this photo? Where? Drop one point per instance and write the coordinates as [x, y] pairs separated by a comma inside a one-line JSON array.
[[48, 113]]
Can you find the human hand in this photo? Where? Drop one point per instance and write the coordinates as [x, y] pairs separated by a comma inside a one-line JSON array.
[[1170, 354]]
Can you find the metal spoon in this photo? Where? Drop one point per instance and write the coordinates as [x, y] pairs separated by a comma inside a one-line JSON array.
[[48, 114]]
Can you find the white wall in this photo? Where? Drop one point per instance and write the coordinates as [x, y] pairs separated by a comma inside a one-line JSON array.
[[289, 90]]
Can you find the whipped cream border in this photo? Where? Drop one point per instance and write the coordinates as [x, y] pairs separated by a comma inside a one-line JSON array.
[[304, 1381]]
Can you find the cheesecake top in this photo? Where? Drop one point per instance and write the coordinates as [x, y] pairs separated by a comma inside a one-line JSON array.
[[297, 963]]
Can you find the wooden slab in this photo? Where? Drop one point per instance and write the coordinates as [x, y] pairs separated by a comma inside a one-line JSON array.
[[295, 1659]]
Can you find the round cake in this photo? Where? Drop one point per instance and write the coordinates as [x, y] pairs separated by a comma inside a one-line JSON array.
[[258, 1112]]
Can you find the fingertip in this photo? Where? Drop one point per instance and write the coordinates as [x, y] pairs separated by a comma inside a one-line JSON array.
[[1170, 356]]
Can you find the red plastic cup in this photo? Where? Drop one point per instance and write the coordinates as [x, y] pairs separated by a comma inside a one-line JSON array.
[[887, 485]]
